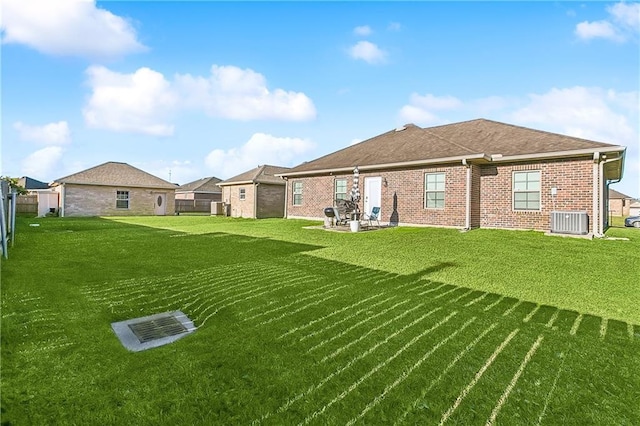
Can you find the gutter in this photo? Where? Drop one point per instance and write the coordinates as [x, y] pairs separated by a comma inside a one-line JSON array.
[[603, 187], [467, 220], [558, 154]]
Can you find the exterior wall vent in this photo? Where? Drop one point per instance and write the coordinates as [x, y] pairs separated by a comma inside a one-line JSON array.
[[576, 223]]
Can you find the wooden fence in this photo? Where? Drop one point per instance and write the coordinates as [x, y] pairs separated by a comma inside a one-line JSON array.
[[193, 206], [27, 204]]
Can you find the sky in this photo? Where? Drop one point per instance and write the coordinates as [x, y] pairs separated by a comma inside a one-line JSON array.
[[186, 90]]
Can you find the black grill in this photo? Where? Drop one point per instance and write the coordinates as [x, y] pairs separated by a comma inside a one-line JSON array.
[[329, 212], [156, 329]]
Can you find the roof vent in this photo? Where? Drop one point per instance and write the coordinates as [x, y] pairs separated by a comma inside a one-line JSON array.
[[401, 128]]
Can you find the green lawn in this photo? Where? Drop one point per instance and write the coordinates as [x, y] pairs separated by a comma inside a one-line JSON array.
[[304, 326]]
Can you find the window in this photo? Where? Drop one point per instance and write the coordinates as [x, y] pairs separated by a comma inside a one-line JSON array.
[[434, 190], [526, 190], [297, 193], [243, 193], [122, 199], [341, 189]]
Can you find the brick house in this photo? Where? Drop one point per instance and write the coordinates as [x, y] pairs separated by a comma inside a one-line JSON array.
[[473, 174], [257, 194], [619, 203], [114, 189]]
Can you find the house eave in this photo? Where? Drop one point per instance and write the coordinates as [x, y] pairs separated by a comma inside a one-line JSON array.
[[126, 185], [240, 182], [497, 158]]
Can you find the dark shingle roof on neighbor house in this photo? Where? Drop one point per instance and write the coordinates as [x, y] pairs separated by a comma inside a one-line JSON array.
[[31, 183], [261, 174], [207, 184], [116, 174], [476, 139]]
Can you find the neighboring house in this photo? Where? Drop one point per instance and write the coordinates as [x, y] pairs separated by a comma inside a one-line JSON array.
[[114, 189], [201, 189], [41, 199], [473, 174], [634, 208], [257, 193], [619, 203]]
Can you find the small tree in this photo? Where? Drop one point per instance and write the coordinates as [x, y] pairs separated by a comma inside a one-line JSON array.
[[14, 185]]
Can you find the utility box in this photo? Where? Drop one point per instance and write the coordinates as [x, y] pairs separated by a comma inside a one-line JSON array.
[[217, 208], [576, 223]]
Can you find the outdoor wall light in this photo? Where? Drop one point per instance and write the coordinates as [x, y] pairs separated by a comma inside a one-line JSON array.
[[384, 182]]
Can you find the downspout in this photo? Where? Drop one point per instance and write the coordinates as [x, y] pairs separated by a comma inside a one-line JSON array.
[[255, 200], [467, 223], [286, 196], [62, 199], [595, 191]]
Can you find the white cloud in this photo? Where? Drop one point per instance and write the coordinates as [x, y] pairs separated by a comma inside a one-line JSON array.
[[135, 102], [622, 25], [67, 27], [355, 141], [260, 149], [176, 171], [394, 26], [48, 134], [242, 94], [363, 30], [421, 109], [430, 101], [42, 163], [368, 52], [416, 115]]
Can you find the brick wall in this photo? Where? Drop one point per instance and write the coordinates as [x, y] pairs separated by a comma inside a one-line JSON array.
[[491, 196], [239, 208], [572, 178], [88, 200]]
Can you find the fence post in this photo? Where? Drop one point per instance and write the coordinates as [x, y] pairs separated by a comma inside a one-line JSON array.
[[3, 224], [12, 215]]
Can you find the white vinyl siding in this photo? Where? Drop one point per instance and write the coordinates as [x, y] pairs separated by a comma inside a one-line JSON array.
[[434, 190], [526, 190]]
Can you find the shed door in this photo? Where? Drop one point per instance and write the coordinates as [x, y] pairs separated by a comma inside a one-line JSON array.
[[372, 194], [161, 204]]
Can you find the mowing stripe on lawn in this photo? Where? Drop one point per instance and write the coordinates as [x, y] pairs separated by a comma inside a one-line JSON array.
[[477, 377], [407, 372], [307, 306], [603, 328], [430, 290], [576, 325], [551, 391], [335, 373], [445, 293], [491, 306], [477, 299], [630, 330], [457, 358], [531, 314], [312, 293], [375, 369], [511, 309], [374, 329], [514, 380], [329, 315], [356, 325], [347, 318], [553, 319], [462, 296]]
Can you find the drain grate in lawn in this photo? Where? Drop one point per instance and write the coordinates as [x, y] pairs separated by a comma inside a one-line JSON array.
[[150, 332]]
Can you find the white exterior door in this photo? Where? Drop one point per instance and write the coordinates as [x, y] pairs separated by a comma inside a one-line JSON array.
[[161, 204], [372, 194]]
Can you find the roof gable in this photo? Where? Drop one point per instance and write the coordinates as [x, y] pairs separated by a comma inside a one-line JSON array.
[[30, 183], [116, 174], [261, 174], [207, 184]]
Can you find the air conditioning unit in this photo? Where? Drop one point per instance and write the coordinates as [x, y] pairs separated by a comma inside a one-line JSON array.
[[216, 208], [576, 223]]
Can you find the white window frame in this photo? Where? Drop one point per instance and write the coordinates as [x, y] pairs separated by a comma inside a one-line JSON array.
[[529, 189], [122, 196], [439, 188], [335, 189], [242, 193], [297, 190]]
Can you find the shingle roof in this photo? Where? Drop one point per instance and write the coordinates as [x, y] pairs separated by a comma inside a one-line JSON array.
[[479, 138], [31, 183], [207, 184], [116, 174], [261, 174], [613, 194]]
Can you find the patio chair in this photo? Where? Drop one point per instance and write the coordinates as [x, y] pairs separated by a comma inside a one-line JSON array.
[[344, 209], [373, 216]]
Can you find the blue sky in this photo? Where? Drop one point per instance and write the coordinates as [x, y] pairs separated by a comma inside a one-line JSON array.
[[185, 90]]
